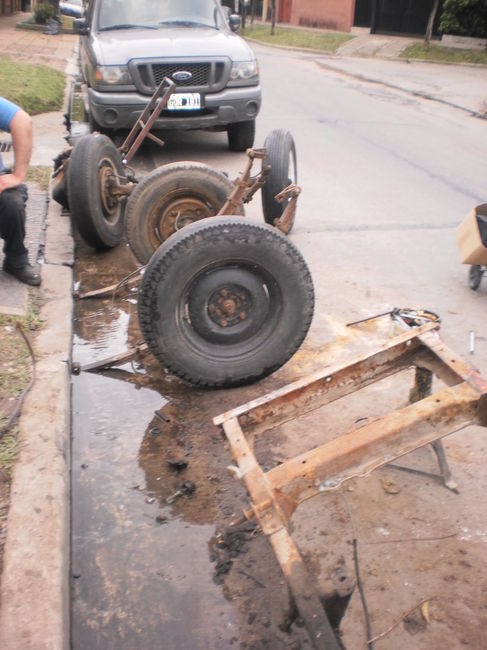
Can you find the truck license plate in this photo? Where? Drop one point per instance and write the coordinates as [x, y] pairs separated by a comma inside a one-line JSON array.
[[184, 102]]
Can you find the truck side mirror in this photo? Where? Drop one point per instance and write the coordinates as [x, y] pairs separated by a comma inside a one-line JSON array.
[[80, 27], [234, 21]]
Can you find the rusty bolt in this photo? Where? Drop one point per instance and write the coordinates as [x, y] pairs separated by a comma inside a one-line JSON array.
[[229, 307]]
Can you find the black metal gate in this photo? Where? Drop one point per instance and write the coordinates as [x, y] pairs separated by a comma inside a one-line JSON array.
[[396, 16]]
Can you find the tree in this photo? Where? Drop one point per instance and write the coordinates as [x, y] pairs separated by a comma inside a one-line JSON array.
[[464, 18], [429, 27], [273, 17]]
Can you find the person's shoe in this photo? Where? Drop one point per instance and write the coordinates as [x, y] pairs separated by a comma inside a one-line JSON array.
[[26, 274]]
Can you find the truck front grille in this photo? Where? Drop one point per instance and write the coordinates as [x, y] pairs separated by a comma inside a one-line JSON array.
[[206, 76], [200, 73]]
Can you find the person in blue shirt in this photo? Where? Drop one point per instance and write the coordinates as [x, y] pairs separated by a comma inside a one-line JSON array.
[[13, 194]]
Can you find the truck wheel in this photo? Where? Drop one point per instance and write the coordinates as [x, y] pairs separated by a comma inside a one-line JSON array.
[[95, 212], [170, 198], [241, 135], [281, 156], [475, 274], [225, 302]]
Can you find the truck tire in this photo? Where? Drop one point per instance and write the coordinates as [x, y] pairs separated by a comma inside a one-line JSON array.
[[241, 135], [97, 216], [225, 302], [170, 198], [281, 156]]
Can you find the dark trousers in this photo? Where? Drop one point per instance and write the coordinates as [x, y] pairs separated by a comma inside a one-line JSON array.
[[12, 225]]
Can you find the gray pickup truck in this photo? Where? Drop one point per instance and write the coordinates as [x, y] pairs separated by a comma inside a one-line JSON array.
[[128, 46]]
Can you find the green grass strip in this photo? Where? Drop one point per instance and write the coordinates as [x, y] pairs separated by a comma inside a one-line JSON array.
[[321, 41], [442, 54], [35, 88]]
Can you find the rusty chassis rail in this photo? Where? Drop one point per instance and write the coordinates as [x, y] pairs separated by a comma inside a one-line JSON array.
[[276, 494], [144, 124]]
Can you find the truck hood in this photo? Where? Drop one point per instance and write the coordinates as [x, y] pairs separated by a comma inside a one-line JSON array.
[[118, 47]]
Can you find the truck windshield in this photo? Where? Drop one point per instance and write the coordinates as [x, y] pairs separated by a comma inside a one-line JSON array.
[[155, 14]]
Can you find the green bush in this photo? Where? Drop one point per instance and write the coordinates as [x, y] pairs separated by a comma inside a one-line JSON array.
[[464, 18], [43, 12]]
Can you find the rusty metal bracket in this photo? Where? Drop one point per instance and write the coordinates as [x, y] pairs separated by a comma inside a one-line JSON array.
[[290, 194], [145, 122], [245, 185], [275, 494]]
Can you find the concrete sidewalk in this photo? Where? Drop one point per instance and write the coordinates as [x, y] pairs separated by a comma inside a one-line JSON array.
[[56, 52], [34, 607]]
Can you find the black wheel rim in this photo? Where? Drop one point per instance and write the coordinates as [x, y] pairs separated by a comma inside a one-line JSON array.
[[229, 309]]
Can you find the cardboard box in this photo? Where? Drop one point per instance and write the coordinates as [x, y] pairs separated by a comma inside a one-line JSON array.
[[469, 240]]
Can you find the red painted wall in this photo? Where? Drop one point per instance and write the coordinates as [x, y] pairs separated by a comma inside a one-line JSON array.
[[326, 14]]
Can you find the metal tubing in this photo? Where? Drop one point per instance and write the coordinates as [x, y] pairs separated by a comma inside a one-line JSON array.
[[325, 386], [272, 518], [277, 493], [359, 452]]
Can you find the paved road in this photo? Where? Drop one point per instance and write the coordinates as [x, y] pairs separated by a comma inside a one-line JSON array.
[[386, 177]]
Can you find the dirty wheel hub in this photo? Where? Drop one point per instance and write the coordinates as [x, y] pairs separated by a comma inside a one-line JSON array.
[[227, 305], [107, 177], [178, 214]]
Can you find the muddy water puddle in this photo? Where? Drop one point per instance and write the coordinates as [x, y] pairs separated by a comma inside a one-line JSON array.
[[142, 571]]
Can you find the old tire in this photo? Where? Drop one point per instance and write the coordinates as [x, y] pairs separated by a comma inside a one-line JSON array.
[[97, 216], [475, 274], [241, 135], [170, 198], [281, 156], [225, 301]]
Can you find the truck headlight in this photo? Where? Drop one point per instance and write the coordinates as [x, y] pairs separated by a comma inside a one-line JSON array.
[[244, 73], [112, 75]]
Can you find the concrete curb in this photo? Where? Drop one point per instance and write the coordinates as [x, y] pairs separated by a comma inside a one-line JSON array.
[[35, 580]]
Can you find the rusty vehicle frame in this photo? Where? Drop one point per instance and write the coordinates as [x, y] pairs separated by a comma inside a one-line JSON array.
[[275, 494]]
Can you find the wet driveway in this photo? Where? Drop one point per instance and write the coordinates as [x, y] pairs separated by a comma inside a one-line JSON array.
[[142, 570]]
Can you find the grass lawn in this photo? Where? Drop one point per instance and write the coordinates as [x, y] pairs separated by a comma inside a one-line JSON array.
[[35, 88], [444, 54], [323, 41]]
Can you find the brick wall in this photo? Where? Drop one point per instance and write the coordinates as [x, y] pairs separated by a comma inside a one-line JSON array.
[[326, 14]]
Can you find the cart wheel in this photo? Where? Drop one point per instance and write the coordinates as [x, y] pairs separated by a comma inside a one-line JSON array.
[[475, 276], [225, 302], [170, 198], [281, 156], [96, 212]]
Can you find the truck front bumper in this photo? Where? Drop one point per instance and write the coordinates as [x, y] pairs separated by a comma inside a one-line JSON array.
[[121, 110]]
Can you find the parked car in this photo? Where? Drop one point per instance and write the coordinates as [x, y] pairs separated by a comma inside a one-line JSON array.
[[128, 46], [73, 8]]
